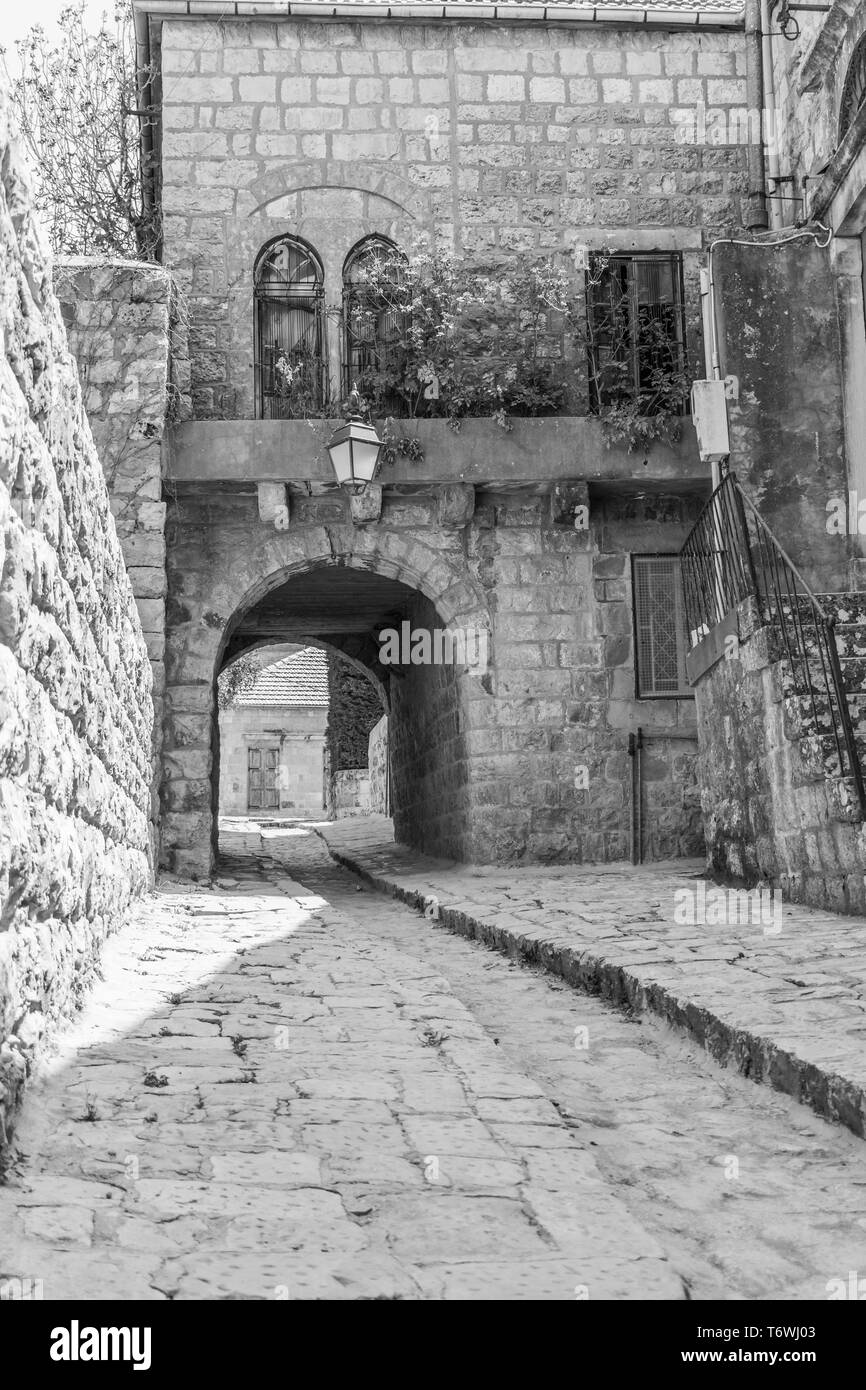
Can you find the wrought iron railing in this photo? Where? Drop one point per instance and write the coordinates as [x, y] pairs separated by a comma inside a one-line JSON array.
[[732, 555]]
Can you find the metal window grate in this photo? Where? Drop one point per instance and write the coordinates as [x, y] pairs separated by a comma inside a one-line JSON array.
[[374, 326], [660, 630], [636, 327], [291, 347]]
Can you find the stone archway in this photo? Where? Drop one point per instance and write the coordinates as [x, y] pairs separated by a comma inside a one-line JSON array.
[[225, 567]]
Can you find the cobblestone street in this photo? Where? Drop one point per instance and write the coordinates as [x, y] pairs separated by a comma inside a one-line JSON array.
[[287, 1086]]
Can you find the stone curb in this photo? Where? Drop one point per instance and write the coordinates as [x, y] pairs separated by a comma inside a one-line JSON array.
[[830, 1095]]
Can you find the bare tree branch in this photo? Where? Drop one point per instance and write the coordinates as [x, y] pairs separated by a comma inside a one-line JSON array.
[[76, 104]]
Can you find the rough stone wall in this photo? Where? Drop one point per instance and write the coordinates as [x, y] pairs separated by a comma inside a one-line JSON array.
[[498, 139], [377, 763], [76, 714], [349, 793], [769, 815], [788, 443], [355, 706], [126, 331], [298, 734], [432, 801]]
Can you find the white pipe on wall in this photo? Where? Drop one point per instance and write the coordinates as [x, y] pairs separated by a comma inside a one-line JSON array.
[[769, 118]]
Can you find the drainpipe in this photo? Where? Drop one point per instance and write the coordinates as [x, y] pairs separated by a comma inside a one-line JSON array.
[[144, 85], [756, 213], [635, 748], [770, 118]]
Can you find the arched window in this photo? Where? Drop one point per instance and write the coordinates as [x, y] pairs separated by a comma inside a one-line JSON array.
[[854, 90], [374, 324], [291, 350]]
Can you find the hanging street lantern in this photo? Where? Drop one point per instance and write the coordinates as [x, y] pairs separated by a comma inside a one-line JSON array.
[[355, 449]]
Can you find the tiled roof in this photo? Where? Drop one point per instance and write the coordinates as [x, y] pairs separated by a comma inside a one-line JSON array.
[[692, 6], [592, 7], [299, 679]]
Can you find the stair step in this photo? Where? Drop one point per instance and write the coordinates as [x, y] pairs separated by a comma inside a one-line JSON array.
[[846, 607], [851, 641], [819, 706], [804, 725], [853, 670], [820, 751], [844, 800], [853, 673]]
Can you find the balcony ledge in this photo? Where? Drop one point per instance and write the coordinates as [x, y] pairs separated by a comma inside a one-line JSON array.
[[534, 451]]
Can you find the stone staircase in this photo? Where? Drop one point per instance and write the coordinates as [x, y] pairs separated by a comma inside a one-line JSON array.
[[809, 717]]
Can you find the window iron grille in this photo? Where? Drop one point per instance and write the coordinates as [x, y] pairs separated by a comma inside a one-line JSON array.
[[374, 326], [660, 628], [636, 323], [291, 340]]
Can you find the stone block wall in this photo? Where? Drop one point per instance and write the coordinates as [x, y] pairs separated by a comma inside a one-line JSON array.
[[76, 714], [377, 764], [349, 793], [499, 140], [770, 814], [431, 797], [126, 330], [557, 736]]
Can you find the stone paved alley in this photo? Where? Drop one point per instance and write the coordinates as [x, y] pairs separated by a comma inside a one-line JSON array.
[[289, 1086]]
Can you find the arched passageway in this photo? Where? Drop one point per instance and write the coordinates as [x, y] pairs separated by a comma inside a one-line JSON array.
[[414, 624], [379, 624]]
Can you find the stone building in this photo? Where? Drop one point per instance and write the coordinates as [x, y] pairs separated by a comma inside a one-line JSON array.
[[272, 741], [783, 724], [290, 144], [817, 163]]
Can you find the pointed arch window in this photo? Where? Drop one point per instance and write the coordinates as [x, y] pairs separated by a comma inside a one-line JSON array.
[[375, 324], [854, 89], [291, 347]]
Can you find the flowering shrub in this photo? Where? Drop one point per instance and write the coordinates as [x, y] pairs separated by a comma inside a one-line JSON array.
[[297, 385], [467, 342]]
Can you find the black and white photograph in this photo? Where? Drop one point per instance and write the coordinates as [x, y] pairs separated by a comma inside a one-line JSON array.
[[432, 669]]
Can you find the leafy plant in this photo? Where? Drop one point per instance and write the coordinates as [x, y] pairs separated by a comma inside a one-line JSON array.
[[639, 385], [463, 341], [430, 337], [298, 384], [234, 679]]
